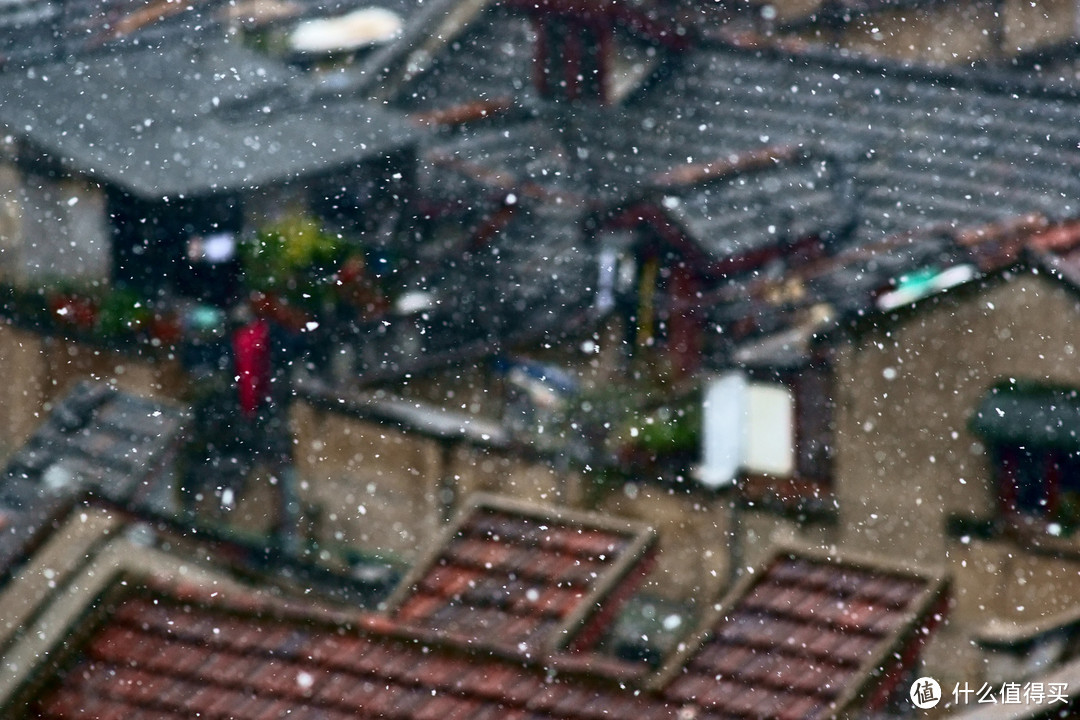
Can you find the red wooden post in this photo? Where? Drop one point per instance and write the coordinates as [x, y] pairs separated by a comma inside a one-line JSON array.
[[540, 56]]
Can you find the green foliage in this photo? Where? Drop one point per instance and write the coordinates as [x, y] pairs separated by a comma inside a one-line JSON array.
[[1068, 512], [644, 416], [670, 428], [122, 311], [294, 258]]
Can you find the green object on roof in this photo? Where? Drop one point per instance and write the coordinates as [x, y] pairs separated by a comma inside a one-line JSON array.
[[918, 279], [1029, 413]]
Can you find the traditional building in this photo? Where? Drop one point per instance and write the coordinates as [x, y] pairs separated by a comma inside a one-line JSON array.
[[148, 634]]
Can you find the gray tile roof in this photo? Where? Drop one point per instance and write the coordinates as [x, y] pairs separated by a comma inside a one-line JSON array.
[[537, 269], [101, 439], [490, 60], [759, 209], [96, 440], [37, 31], [893, 159], [26, 518], [923, 149], [179, 120]]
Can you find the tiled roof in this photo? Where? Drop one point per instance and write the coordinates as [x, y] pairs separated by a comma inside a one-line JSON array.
[[36, 31], [745, 211], [901, 150], [511, 577], [491, 60], [147, 649], [527, 257], [214, 118], [99, 438], [817, 297], [163, 655], [26, 519], [803, 637], [923, 148], [886, 150]]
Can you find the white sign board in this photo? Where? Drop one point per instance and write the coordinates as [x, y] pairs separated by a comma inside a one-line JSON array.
[[746, 427]]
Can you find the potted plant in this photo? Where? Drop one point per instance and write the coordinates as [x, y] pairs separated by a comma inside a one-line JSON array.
[[293, 260]]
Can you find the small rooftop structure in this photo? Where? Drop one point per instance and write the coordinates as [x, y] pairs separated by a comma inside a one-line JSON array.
[[522, 579], [808, 636], [100, 439]]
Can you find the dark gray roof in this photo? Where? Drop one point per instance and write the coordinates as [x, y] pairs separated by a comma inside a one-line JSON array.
[[537, 267], [923, 149], [177, 120], [490, 61], [747, 211], [37, 31], [533, 278], [901, 149], [890, 153], [552, 162], [26, 519], [1029, 415], [531, 155], [98, 438]]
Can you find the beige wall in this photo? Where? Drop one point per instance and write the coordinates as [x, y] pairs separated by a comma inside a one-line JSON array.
[[373, 484], [950, 34], [22, 397], [791, 11], [396, 477], [905, 392], [1031, 24], [41, 369], [52, 230], [944, 34], [694, 532], [905, 458]]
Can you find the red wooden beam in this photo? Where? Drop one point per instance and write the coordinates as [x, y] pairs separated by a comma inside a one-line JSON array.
[[465, 112]]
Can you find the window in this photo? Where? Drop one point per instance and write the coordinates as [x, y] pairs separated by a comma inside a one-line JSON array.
[[1033, 435], [187, 247], [1039, 483]]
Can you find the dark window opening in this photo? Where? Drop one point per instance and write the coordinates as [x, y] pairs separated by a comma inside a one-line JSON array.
[[182, 247], [1033, 433], [1039, 482]]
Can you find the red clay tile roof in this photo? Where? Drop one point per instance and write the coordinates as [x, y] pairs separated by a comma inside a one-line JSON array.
[[803, 637], [520, 579], [157, 655]]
